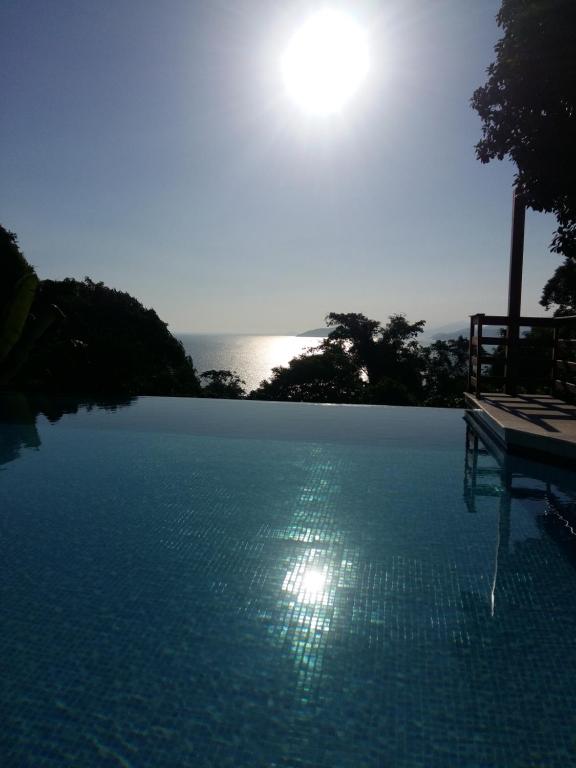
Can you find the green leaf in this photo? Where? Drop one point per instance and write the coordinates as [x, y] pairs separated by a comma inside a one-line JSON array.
[[16, 311]]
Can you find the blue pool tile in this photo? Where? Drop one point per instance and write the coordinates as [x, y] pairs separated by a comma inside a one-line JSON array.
[[297, 586]]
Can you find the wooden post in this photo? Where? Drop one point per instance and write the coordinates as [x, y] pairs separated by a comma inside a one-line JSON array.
[[515, 293], [479, 326], [554, 366], [470, 353]]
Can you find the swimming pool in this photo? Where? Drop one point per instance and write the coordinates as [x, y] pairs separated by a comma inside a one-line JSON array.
[[214, 583]]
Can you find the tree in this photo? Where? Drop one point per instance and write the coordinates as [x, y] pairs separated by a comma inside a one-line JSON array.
[[361, 361], [389, 351], [328, 375], [357, 334], [18, 284], [388, 391], [560, 290], [223, 384], [446, 372], [398, 354], [528, 108], [23, 320], [108, 344]]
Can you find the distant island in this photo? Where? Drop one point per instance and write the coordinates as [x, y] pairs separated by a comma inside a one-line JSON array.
[[316, 332], [449, 331], [465, 332]]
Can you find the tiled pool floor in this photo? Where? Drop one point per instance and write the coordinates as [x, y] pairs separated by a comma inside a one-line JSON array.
[[259, 597]]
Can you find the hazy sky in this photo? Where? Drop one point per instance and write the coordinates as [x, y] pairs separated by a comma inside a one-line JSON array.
[[151, 145]]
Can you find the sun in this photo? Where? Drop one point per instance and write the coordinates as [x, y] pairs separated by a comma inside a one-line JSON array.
[[325, 62]]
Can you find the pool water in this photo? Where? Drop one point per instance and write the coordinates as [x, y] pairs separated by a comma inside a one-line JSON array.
[[213, 583]]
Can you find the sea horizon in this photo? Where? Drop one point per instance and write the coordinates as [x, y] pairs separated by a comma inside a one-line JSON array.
[[178, 334]]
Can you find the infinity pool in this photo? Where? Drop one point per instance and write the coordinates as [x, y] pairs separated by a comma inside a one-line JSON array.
[[211, 583]]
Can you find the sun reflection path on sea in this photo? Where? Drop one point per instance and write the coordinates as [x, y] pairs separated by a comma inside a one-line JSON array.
[[320, 570]]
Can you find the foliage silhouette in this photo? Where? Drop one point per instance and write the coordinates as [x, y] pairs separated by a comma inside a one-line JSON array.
[[20, 327], [18, 283], [378, 352], [446, 372], [382, 355], [388, 391], [357, 334], [363, 361], [108, 344], [560, 290], [223, 384], [324, 375], [528, 108]]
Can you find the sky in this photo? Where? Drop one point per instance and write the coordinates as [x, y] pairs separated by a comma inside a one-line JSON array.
[[153, 146]]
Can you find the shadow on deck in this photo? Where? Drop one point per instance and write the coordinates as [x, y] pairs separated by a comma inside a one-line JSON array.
[[540, 426], [529, 366]]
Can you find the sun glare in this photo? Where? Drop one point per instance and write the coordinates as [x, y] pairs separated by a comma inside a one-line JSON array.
[[308, 585], [325, 62]]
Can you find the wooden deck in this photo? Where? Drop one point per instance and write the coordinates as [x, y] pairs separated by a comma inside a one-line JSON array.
[[541, 426]]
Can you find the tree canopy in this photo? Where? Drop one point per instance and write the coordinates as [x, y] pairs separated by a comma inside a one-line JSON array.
[[19, 328], [363, 361], [445, 372], [379, 352], [223, 383], [560, 290], [71, 337], [13, 264], [528, 108], [324, 375], [107, 343]]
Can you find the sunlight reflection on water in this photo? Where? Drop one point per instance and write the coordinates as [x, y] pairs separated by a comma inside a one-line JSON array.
[[253, 357], [320, 571], [308, 585]]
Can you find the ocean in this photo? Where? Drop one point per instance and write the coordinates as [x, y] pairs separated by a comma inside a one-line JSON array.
[[251, 356]]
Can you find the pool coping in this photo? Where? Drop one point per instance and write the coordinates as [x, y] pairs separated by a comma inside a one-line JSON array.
[[523, 425]]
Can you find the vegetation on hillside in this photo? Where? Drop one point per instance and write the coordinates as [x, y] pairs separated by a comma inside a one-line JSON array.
[[322, 375], [363, 361], [80, 337], [223, 384], [23, 319], [106, 343]]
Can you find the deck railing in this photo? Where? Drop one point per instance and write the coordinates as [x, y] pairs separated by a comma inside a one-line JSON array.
[[525, 354]]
